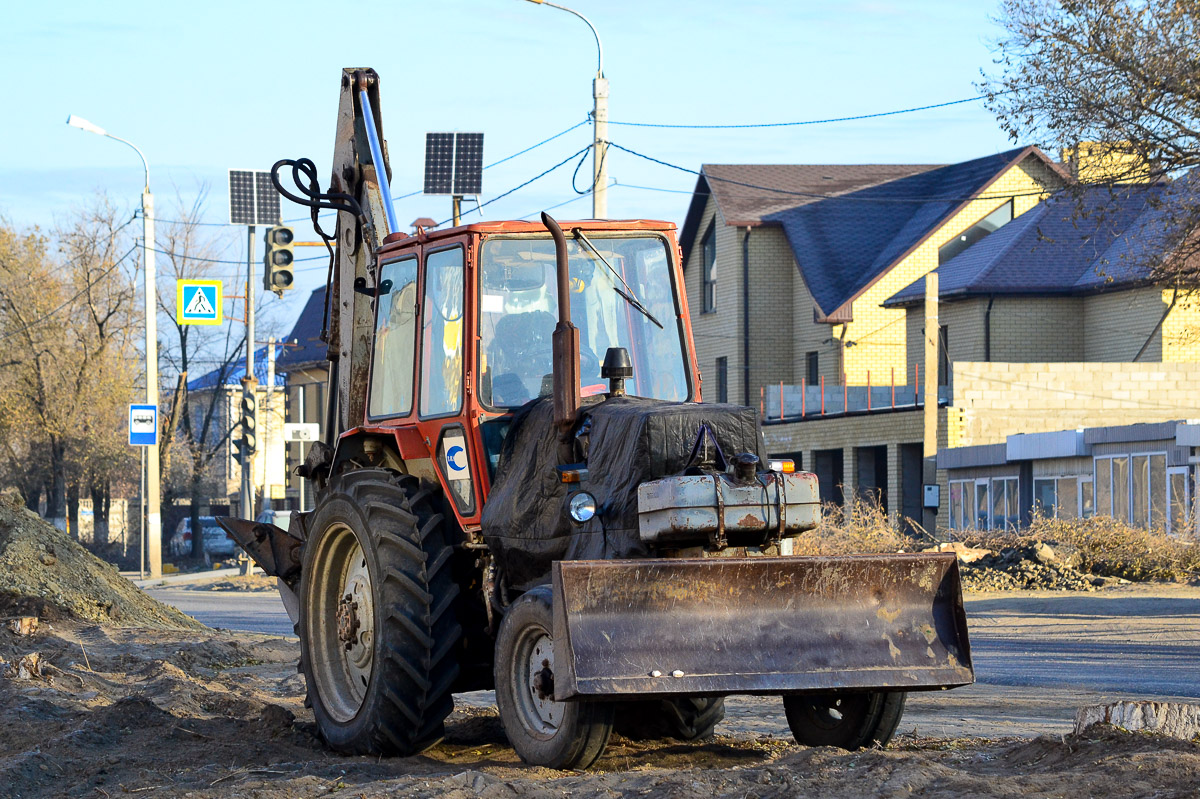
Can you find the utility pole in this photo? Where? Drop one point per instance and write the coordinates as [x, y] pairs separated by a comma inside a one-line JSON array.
[[599, 121], [153, 537], [267, 426], [932, 335], [249, 395]]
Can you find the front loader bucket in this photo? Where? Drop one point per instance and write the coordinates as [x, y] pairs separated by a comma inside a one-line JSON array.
[[760, 625], [275, 550]]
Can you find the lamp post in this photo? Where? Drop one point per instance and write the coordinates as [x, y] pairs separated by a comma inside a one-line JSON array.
[[599, 121], [153, 535]]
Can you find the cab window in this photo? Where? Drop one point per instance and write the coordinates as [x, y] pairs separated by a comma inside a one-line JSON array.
[[442, 334], [395, 340]]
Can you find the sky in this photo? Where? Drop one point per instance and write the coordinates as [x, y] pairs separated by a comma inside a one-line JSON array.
[[202, 88]]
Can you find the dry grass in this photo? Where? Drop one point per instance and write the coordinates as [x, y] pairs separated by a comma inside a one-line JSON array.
[[1100, 545], [864, 529], [1105, 546]]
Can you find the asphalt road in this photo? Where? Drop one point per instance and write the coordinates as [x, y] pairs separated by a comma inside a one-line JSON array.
[[1037, 656], [252, 611]]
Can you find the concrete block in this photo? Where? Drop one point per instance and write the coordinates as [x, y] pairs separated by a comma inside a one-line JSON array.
[[1176, 719]]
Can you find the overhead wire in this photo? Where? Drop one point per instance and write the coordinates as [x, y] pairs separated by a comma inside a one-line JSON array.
[[25, 328], [803, 122], [820, 196], [539, 176]]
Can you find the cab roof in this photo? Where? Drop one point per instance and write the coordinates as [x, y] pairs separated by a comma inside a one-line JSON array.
[[397, 242]]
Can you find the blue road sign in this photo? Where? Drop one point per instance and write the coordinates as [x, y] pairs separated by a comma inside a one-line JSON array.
[[198, 302], [143, 425]]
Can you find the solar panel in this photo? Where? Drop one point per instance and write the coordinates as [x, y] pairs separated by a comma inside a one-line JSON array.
[[267, 200], [241, 197], [468, 163], [252, 198], [453, 163], [439, 163]]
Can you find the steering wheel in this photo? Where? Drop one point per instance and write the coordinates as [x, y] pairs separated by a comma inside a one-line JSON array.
[[531, 362]]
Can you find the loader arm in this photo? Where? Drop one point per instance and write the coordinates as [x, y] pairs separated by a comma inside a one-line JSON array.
[[351, 317]]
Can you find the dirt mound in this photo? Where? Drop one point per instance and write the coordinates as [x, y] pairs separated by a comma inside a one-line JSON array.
[[43, 572], [1035, 566], [214, 715]]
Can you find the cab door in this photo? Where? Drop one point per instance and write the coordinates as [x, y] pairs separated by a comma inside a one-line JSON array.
[[441, 399]]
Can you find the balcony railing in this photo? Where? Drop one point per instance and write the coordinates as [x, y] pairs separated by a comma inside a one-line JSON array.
[[783, 402]]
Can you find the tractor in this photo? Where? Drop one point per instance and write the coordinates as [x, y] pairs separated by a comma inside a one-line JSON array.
[[520, 490]]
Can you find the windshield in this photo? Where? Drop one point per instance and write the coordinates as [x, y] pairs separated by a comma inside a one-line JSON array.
[[519, 309]]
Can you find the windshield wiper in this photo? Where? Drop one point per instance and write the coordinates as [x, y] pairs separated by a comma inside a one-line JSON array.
[[628, 294]]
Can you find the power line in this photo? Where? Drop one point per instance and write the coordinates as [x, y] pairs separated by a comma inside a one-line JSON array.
[[819, 196], [219, 260], [79, 294], [526, 183], [531, 147], [805, 122]]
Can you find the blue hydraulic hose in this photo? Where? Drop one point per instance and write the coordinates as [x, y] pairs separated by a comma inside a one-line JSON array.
[[377, 157]]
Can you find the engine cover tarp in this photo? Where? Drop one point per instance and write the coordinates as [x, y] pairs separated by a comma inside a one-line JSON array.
[[632, 440]]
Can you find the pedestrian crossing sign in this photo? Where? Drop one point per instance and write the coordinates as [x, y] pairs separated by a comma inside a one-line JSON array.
[[198, 302]]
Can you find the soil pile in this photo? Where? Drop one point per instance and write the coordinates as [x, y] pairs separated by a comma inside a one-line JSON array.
[[45, 573], [210, 715], [1035, 566]]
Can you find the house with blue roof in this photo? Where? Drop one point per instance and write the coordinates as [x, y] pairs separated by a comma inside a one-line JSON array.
[[302, 360], [269, 458], [786, 270], [807, 287]]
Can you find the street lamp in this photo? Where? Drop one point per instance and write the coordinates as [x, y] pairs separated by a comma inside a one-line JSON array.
[[153, 511], [599, 120]]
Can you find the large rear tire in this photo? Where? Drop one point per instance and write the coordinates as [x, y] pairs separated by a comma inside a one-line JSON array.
[[559, 735], [846, 720], [688, 718], [377, 625]]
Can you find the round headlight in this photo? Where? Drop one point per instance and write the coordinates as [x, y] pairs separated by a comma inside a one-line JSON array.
[[582, 506]]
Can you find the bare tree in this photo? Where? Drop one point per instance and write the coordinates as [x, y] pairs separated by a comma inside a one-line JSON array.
[[1124, 74], [200, 429], [64, 325]]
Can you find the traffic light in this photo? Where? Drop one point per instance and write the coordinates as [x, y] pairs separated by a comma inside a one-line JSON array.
[[249, 440], [277, 276]]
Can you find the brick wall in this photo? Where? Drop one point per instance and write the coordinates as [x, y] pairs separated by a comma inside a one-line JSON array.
[[718, 333], [994, 400], [1118, 323], [772, 316]]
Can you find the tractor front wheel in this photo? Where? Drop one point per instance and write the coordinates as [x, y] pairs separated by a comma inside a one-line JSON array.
[[377, 625], [846, 720], [544, 732]]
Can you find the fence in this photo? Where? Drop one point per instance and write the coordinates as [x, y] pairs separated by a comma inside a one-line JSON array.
[[784, 401]]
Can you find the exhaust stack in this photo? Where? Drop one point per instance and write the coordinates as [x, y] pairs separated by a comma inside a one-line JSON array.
[[565, 344]]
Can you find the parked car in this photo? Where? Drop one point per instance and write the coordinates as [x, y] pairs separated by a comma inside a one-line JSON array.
[[279, 518], [216, 540]]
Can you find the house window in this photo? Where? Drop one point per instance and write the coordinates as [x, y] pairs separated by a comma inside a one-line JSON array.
[[984, 504], [708, 252], [812, 368], [722, 380], [960, 501], [1005, 511], [1057, 497], [993, 221], [1133, 489], [1179, 516]]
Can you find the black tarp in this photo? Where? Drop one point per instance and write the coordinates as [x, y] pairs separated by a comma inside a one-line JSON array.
[[632, 440]]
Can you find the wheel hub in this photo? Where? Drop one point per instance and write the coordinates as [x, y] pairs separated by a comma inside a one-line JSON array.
[[540, 668], [342, 626], [347, 622]]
